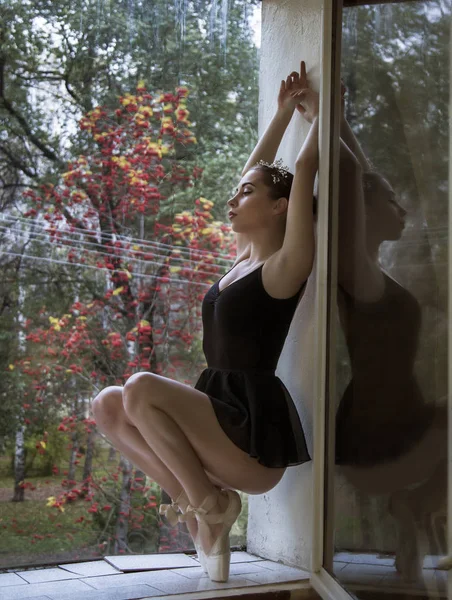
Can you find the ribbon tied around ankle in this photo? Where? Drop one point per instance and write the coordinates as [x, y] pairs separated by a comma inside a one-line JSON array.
[[201, 514], [168, 510]]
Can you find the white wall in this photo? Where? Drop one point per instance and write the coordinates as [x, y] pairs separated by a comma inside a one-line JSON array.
[[280, 522]]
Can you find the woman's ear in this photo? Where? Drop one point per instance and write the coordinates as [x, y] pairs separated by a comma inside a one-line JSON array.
[[280, 205]]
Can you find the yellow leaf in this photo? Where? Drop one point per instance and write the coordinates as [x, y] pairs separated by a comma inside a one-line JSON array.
[[11, 367], [43, 445], [175, 269], [118, 291], [144, 323]]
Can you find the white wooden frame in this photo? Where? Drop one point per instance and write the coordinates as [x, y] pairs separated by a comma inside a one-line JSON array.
[[321, 580]]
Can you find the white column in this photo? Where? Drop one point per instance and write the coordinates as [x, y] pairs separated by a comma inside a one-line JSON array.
[[280, 522]]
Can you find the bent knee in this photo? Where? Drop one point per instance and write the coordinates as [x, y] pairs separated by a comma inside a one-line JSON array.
[[107, 405], [138, 390]]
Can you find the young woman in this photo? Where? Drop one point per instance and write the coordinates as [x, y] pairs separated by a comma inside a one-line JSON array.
[[238, 429]]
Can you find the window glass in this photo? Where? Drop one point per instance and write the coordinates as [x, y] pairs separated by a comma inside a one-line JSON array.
[[389, 489], [124, 128]]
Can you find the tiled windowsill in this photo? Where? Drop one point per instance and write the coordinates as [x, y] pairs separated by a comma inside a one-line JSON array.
[[145, 577]]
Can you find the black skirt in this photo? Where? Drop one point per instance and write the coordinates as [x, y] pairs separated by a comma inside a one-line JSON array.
[[257, 413]]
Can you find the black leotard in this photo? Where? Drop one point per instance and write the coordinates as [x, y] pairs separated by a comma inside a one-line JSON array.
[[244, 333], [382, 413]]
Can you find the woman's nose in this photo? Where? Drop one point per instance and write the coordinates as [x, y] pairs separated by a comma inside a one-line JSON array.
[[402, 211], [232, 201]]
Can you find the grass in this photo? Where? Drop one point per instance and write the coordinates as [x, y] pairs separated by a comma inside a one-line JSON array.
[[33, 533]]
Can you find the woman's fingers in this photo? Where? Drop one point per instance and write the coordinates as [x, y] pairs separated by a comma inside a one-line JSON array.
[[303, 76]]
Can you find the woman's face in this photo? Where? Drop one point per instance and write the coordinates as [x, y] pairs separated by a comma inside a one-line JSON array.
[[252, 206], [384, 214]]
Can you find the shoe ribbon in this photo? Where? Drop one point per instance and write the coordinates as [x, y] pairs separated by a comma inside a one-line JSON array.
[[168, 511]]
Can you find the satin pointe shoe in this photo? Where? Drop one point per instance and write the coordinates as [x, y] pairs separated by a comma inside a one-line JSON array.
[[217, 560], [169, 511]]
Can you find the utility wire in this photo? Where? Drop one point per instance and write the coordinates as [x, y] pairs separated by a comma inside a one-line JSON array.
[[122, 254], [84, 266], [118, 237]]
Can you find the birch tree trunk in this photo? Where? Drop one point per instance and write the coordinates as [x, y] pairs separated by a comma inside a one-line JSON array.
[[122, 525], [88, 466], [72, 459], [19, 465]]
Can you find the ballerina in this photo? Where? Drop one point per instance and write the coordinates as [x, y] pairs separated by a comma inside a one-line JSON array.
[[238, 429]]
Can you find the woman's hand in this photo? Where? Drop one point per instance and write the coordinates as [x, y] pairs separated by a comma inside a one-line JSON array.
[[307, 103], [295, 82]]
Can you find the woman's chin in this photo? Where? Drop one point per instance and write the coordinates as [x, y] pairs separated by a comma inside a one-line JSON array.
[[235, 228]]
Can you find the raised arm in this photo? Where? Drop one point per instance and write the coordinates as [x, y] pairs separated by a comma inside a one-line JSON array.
[[268, 145], [348, 137], [288, 268], [358, 273]]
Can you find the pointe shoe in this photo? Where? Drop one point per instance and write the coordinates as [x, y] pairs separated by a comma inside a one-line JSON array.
[[169, 511], [217, 560]]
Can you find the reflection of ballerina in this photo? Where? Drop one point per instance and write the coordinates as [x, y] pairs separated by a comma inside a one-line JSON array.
[[239, 428], [388, 439], [382, 412]]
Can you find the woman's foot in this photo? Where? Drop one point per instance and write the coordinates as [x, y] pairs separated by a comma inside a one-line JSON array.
[[215, 517], [175, 513], [209, 533]]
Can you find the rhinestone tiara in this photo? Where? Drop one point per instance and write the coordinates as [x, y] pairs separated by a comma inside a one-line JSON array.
[[282, 170]]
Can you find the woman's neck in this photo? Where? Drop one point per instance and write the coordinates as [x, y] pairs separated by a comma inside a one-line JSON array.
[[373, 250], [265, 245]]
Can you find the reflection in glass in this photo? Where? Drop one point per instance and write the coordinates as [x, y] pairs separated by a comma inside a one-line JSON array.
[[391, 424]]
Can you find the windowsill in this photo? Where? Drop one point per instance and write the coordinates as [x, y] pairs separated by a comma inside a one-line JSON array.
[[144, 577]]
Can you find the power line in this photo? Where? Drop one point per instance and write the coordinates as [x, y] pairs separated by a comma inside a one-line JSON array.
[[84, 266], [122, 254], [116, 236]]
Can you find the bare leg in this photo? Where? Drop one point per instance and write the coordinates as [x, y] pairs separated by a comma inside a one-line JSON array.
[[180, 426], [112, 421], [140, 429]]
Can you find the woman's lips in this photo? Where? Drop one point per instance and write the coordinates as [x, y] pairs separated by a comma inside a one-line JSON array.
[[231, 214]]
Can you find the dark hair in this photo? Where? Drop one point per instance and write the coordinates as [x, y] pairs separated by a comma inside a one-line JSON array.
[[279, 188], [374, 183]]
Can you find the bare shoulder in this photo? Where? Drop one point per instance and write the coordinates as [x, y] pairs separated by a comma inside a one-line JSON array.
[[281, 278]]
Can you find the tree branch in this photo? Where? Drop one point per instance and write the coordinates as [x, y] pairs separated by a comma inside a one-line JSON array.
[[48, 153], [18, 164]]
